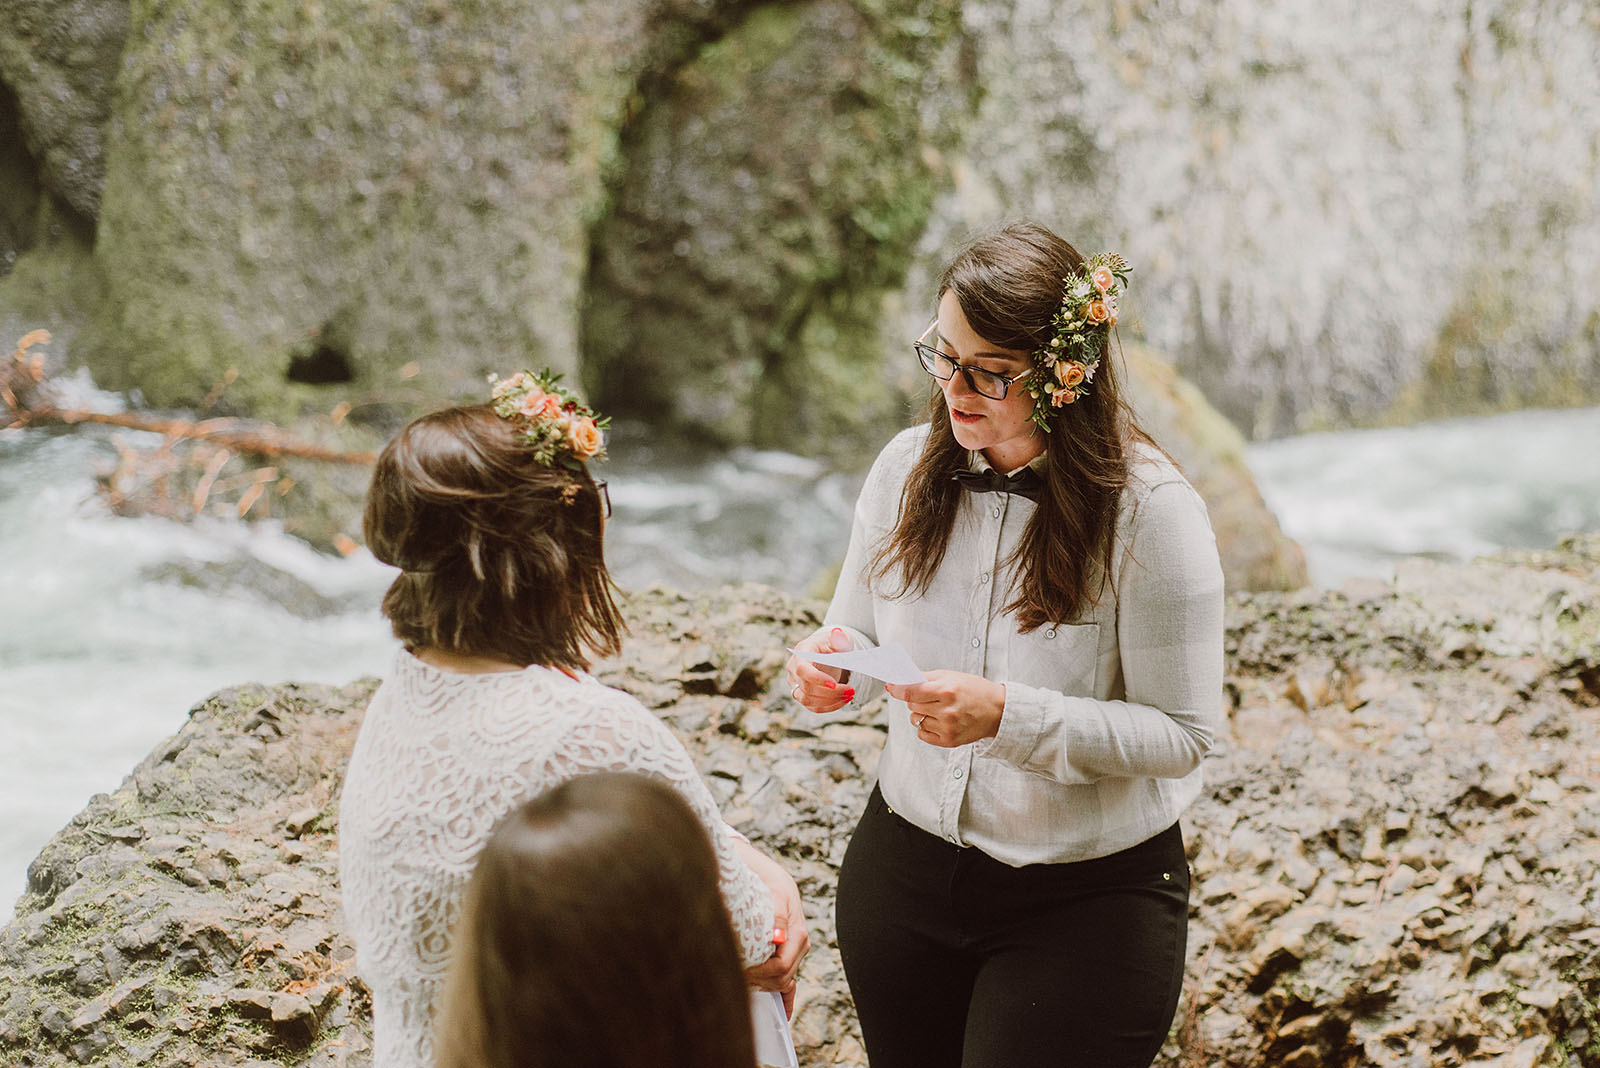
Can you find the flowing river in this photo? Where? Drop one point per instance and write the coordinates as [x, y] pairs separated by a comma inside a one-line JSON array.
[[114, 627]]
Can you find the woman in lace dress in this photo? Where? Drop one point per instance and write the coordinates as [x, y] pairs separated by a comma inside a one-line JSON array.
[[595, 890], [496, 524], [1016, 892]]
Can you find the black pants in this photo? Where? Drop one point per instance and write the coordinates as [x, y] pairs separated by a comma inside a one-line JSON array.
[[956, 960]]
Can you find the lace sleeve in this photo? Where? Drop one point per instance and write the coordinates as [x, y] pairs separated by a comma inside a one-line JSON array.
[[619, 734]]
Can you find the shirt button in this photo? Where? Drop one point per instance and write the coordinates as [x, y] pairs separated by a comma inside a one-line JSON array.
[[996, 513], [1051, 633], [958, 773], [976, 643], [984, 577]]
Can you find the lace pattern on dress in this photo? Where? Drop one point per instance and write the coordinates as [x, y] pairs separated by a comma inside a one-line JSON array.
[[440, 759]]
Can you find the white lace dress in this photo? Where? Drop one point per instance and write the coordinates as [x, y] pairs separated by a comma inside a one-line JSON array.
[[440, 759]]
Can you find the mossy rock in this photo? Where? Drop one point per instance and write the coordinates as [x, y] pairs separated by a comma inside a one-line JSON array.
[[772, 197], [393, 199], [1256, 554]]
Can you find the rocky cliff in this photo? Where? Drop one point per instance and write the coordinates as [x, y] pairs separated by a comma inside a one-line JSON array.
[[1397, 858], [727, 212]]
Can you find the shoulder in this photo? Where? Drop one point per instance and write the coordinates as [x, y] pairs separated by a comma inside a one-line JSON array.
[[1163, 525], [604, 712], [901, 452], [1158, 494], [1149, 470], [893, 465]]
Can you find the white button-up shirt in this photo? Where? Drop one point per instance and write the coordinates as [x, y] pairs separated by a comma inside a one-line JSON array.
[[1106, 717]]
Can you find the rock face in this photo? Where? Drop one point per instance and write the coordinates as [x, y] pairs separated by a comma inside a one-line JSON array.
[[61, 61], [187, 918], [1397, 860], [1336, 214], [774, 189], [1256, 555], [726, 213], [328, 192]]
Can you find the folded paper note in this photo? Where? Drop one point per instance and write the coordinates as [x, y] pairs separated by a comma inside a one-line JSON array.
[[889, 662], [774, 1042]]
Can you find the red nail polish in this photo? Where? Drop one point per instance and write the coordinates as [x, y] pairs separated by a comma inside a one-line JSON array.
[[848, 693]]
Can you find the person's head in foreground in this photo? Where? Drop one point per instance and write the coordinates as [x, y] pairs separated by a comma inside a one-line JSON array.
[[593, 933]]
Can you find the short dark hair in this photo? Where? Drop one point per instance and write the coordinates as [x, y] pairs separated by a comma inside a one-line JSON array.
[[593, 932], [500, 555]]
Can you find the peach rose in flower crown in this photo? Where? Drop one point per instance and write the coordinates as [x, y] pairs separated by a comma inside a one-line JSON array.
[[1097, 312], [584, 437], [537, 404], [1102, 279], [1070, 374]]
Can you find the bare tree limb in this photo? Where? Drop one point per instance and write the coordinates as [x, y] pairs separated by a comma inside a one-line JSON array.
[[22, 377]]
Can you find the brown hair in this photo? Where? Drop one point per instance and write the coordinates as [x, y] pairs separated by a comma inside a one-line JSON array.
[[501, 555], [593, 933], [1008, 283]]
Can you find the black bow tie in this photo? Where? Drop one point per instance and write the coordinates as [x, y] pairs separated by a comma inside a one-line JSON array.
[[1024, 483]]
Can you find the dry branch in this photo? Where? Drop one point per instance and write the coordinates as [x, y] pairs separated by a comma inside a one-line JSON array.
[[21, 390]]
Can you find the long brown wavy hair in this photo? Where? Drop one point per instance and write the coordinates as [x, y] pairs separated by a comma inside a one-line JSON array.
[[593, 933], [500, 555], [1008, 283]]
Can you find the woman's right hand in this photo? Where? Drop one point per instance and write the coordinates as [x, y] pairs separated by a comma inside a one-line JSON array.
[[819, 688]]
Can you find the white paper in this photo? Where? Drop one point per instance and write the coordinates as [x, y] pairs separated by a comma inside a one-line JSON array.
[[774, 1043], [889, 662]]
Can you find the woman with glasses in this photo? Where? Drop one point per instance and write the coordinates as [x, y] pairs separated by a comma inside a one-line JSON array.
[[497, 526], [1016, 891]]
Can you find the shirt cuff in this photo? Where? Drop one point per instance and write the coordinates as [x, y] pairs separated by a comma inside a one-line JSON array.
[[1021, 727]]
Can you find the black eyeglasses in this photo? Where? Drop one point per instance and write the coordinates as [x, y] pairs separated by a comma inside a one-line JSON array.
[[985, 383], [605, 497]]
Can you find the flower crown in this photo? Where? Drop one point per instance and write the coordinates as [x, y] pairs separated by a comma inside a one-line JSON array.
[[1064, 367], [559, 427]]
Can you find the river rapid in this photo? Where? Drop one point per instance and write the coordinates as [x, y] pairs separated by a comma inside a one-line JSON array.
[[114, 627]]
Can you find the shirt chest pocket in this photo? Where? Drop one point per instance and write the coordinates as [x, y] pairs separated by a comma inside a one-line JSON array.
[[1058, 656]]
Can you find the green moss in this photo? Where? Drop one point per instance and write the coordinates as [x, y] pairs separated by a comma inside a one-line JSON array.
[[1485, 358], [760, 320], [55, 283]]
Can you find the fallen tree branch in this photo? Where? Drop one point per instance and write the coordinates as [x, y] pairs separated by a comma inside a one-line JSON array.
[[20, 390], [228, 433]]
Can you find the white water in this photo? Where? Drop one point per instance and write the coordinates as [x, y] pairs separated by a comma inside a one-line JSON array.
[[1360, 500], [113, 627]]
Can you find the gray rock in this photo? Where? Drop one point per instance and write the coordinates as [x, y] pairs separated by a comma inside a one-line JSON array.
[[1378, 877], [61, 59]]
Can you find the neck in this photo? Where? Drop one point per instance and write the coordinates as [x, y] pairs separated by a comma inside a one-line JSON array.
[[1008, 458], [463, 663]]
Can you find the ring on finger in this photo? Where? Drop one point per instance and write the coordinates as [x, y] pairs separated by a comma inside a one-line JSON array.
[[795, 693]]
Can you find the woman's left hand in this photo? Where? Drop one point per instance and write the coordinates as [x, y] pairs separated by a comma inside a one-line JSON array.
[[778, 971], [952, 708]]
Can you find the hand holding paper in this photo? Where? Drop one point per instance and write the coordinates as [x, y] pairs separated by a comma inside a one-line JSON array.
[[889, 662]]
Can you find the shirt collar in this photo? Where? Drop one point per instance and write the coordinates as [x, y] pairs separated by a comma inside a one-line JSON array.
[[977, 462]]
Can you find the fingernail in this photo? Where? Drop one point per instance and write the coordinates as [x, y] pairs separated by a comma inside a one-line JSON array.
[[848, 693], [837, 635], [829, 683]]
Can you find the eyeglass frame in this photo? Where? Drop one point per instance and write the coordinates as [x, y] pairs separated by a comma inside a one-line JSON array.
[[967, 371], [601, 487]]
